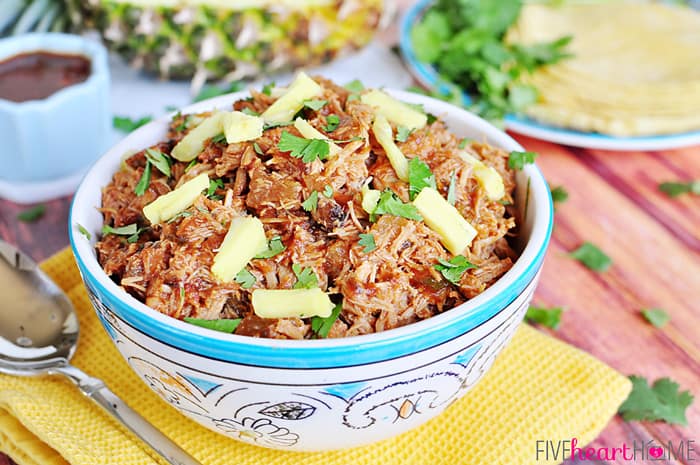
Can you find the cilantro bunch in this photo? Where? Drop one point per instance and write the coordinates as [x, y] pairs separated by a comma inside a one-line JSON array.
[[463, 39]]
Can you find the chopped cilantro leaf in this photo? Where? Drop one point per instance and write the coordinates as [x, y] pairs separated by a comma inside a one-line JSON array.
[[82, 230], [674, 189], [592, 257], [160, 160], [218, 139], [190, 165], [661, 402], [184, 124], [267, 88], [182, 214], [223, 325], [32, 214], [332, 123], [452, 189], [453, 269], [245, 278], [128, 230], [214, 184], [145, 180], [249, 112], [549, 317], [367, 241], [306, 149], [518, 160], [274, 247], [322, 326], [656, 316], [306, 278], [126, 124], [328, 192], [390, 204], [315, 104], [267, 126], [463, 143], [402, 133], [209, 91], [355, 86], [419, 176], [559, 194], [311, 203]]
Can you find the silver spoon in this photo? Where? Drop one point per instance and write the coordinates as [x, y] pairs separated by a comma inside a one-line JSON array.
[[39, 335]]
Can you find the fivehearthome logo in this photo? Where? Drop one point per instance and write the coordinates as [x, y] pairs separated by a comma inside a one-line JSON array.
[[559, 450]]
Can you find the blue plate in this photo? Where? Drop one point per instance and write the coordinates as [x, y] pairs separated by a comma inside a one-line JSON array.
[[429, 77]]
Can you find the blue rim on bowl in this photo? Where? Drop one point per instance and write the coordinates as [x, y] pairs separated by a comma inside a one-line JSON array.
[[324, 353], [428, 76]]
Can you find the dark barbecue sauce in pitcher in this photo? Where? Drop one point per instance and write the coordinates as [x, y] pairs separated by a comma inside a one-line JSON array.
[[38, 75]]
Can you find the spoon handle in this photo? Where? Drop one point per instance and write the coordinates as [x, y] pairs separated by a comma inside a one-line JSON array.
[[96, 390]]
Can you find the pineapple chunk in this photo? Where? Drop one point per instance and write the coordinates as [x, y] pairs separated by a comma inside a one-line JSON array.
[[370, 199], [394, 110], [311, 132], [385, 136], [286, 303], [284, 109], [167, 206], [456, 234], [239, 127], [244, 240], [487, 176], [193, 143]]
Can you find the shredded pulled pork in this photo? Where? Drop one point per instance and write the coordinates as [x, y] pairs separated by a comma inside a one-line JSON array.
[[168, 266]]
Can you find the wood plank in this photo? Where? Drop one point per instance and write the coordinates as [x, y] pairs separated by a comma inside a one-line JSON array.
[[652, 268], [41, 238]]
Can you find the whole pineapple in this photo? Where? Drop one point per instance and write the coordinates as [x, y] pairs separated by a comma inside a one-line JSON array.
[[231, 39], [22, 16]]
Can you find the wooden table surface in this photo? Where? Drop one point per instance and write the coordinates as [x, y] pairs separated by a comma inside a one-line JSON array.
[[615, 203]]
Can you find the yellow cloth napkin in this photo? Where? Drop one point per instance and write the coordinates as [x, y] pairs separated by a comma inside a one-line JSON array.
[[538, 389]]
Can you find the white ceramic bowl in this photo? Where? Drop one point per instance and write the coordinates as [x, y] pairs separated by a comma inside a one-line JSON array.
[[316, 394]]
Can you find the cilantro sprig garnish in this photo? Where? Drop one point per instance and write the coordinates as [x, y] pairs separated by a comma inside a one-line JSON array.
[[465, 42], [674, 189], [126, 124], [322, 326], [367, 241], [592, 257], [306, 149], [223, 325], [306, 278], [390, 204], [274, 247], [419, 176], [549, 317], [453, 269], [663, 401], [518, 160]]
